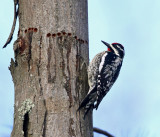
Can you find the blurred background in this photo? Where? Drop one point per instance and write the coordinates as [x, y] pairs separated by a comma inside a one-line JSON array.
[[132, 107]]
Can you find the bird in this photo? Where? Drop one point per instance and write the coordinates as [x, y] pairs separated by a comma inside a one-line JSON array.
[[103, 71]]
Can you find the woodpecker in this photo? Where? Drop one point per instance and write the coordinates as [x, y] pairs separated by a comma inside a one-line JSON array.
[[102, 73]]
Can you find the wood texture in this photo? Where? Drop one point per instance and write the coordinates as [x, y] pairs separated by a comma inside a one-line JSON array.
[[50, 69]]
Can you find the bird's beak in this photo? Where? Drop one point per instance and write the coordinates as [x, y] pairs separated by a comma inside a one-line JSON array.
[[108, 45]]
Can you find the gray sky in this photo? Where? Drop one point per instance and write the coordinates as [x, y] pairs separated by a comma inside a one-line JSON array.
[[132, 107]]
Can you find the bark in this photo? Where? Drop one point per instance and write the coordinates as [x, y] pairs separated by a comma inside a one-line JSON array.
[[50, 69]]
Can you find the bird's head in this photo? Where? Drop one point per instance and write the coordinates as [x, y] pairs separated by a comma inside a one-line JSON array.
[[115, 48]]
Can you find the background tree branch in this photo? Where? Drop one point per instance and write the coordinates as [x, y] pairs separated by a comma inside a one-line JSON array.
[[100, 131]]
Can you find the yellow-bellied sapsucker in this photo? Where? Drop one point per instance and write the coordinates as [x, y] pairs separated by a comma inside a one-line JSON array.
[[102, 73]]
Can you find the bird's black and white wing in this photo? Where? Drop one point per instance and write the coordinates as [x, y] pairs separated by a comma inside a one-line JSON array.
[[108, 73]]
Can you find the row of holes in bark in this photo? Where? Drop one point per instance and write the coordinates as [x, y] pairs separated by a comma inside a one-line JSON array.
[[59, 34], [31, 29], [28, 30]]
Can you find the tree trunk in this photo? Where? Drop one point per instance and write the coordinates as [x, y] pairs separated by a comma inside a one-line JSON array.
[[50, 69]]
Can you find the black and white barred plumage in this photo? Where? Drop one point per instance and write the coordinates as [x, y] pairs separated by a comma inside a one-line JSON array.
[[102, 73]]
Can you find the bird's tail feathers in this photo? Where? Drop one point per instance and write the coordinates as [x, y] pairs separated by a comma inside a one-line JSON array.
[[88, 102], [84, 102], [90, 107]]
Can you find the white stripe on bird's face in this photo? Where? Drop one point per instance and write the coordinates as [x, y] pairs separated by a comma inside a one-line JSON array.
[[119, 47], [115, 50]]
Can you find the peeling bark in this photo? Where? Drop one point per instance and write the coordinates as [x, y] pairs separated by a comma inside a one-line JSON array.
[[50, 69]]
